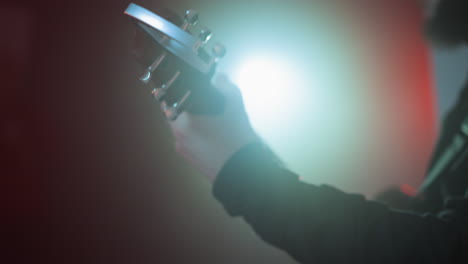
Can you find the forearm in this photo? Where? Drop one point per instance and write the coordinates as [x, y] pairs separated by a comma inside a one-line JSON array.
[[322, 224]]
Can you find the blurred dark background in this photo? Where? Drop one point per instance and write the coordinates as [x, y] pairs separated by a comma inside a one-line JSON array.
[[88, 171]]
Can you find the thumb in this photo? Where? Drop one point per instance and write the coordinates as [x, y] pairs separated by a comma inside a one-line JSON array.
[[228, 89], [223, 84]]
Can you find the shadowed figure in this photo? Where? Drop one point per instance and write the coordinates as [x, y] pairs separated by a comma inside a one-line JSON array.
[[321, 224]]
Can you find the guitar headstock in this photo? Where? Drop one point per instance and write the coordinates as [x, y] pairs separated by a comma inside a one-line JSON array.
[[178, 66]]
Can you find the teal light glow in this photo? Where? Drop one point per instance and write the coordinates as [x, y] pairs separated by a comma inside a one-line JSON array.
[[302, 87], [323, 84]]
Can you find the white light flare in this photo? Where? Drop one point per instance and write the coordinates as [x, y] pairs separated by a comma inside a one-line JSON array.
[[272, 91]]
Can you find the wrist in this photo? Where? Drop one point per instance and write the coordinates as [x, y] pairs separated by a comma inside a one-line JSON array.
[[229, 149]]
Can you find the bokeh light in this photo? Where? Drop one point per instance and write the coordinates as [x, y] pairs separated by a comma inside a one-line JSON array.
[[329, 92], [269, 88]]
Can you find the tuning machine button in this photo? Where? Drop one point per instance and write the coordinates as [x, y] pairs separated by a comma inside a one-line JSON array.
[[205, 34], [219, 51], [172, 112], [159, 93], [190, 19], [146, 77]]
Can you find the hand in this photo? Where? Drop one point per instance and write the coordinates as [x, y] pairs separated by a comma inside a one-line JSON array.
[[208, 141]]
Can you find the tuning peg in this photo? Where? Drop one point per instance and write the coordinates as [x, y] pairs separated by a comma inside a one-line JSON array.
[[190, 19], [159, 93], [205, 34], [191, 16], [219, 51], [146, 77], [173, 111]]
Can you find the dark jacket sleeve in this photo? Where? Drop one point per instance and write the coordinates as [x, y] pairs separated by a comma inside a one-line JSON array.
[[320, 224]]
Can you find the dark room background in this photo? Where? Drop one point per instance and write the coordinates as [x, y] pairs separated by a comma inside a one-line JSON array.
[[89, 173]]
